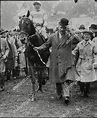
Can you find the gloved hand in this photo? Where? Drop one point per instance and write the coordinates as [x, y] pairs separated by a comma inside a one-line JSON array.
[[36, 48]]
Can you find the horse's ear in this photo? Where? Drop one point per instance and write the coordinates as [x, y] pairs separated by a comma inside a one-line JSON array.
[[28, 14]]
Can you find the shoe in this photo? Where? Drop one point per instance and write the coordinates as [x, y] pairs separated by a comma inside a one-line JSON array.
[[67, 100]]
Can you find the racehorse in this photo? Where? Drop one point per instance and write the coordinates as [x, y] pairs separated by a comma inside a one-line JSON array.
[[36, 60]]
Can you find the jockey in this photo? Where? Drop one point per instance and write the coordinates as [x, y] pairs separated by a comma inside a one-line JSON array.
[[39, 18]]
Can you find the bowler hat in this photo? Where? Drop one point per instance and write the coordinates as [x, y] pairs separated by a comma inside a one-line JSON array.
[[93, 26], [64, 22], [82, 27]]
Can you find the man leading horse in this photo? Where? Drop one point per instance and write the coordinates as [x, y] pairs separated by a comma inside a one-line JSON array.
[[61, 70]]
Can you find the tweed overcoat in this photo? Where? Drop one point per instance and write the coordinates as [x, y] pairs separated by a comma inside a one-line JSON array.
[[60, 58]]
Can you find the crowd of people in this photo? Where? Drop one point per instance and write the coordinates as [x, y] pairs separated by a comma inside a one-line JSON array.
[[63, 58]]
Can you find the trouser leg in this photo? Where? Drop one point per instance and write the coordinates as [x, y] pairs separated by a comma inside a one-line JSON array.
[[66, 89], [82, 86], [26, 71], [2, 80], [87, 88], [66, 92], [59, 89], [8, 74], [13, 73]]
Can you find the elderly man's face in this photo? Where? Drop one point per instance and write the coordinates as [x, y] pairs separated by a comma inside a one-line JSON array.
[[87, 36]]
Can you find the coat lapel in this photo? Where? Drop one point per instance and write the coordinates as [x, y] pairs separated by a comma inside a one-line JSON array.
[[57, 38], [59, 42], [64, 40]]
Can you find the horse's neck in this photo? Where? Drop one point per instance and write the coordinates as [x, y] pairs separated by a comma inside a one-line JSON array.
[[40, 36]]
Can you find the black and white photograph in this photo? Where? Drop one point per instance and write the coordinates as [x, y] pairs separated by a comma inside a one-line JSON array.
[[48, 58]]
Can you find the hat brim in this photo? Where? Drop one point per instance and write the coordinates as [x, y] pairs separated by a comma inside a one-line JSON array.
[[63, 25], [87, 32]]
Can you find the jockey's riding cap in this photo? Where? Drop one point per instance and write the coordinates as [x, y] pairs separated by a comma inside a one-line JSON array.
[[37, 2]]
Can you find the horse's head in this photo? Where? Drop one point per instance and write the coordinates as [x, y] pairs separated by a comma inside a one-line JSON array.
[[29, 34], [26, 28]]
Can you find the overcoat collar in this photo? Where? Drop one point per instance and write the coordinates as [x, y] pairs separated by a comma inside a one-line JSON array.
[[61, 41], [89, 42]]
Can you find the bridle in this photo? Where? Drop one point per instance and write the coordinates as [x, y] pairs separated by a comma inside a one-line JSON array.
[[28, 37]]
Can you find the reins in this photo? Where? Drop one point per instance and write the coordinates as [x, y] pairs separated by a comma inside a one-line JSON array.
[[28, 37]]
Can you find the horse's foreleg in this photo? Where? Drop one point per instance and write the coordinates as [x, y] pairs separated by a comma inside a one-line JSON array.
[[33, 83], [40, 80]]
